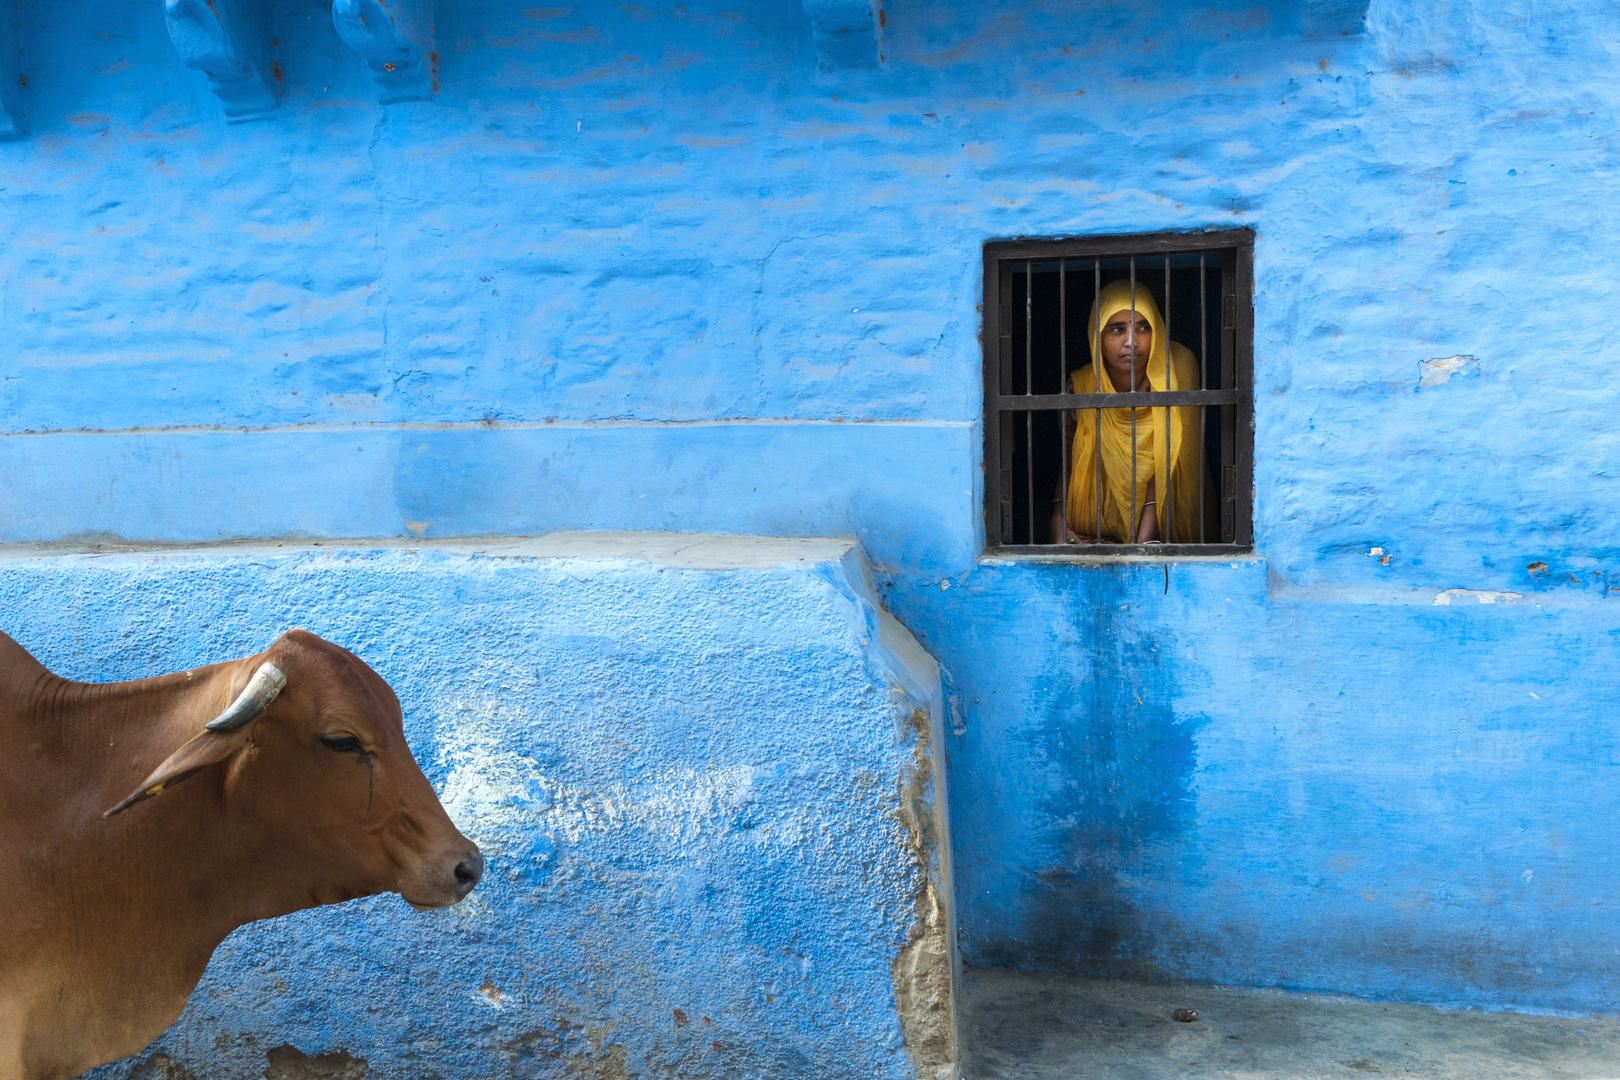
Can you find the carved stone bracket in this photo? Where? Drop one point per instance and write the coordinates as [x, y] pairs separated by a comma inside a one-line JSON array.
[[229, 41], [11, 114], [848, 33], [395, 39]]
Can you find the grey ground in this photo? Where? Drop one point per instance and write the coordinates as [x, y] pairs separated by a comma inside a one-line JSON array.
[[1038, 1027]]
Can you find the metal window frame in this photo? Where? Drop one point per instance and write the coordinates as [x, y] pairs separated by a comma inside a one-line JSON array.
[[996, 323]]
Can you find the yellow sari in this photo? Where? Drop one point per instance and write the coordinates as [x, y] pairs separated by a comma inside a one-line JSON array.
[[1169, 367]]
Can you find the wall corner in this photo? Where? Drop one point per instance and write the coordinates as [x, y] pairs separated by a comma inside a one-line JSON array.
[[926, 971]]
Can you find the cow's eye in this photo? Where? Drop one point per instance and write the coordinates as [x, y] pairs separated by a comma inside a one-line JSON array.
[[341, 744]]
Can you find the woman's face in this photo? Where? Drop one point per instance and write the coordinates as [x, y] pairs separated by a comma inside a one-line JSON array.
[[1127, 336]]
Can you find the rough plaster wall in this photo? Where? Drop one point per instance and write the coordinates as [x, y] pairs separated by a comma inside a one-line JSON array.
[[665, 273], [697, 792]]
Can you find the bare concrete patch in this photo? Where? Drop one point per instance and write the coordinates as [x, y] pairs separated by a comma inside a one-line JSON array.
[[291, 1063], [922, 970], [1438, 372], [610, 1065], [600, 1060], [161, 1067]]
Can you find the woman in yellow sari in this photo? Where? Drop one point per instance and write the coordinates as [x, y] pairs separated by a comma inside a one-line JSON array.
[[1165, 498]]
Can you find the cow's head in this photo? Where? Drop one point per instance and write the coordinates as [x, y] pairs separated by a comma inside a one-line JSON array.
[[317, 768]]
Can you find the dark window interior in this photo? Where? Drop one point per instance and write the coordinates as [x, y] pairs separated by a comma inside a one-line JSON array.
[[1042, 336]]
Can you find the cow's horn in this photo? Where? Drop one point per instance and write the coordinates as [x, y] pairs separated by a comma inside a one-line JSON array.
[[260, 691]]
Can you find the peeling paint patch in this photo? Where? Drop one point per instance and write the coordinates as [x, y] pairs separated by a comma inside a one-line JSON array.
[[609, 1065], [922, 969], [1439, 371], [291, 1063], [161, 1067], [1481, 596]]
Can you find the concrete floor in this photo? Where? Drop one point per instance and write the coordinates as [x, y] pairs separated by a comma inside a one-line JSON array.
[[1037, 1027]]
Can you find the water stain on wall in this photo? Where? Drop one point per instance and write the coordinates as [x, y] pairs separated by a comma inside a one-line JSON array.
[[1109, 729]]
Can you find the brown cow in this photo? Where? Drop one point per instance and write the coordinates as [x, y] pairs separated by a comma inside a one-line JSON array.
[[112, 901]]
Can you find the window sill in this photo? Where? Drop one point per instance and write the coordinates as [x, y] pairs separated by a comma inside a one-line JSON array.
[[1117, 553]]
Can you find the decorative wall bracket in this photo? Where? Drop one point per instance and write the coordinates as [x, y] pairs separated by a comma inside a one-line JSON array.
[[848, 33], [11, 114], [395, 39], [229, 41]]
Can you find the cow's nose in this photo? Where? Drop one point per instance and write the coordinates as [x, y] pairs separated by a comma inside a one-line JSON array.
[[468, 871]]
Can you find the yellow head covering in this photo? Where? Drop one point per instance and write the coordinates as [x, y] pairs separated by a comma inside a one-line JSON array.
[[1169, 367]]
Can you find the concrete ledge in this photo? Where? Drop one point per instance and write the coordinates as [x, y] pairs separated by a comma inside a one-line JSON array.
[[702, 769], [706, 551]]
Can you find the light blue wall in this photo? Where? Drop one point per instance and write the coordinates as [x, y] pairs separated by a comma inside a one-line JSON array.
[[648, 266]]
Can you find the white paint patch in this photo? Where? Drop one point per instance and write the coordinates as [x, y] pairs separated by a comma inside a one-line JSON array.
[[497, 796], [1479, 596], [490, 790], [1439, 372]]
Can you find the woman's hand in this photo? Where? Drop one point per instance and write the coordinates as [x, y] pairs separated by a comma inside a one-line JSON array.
[[1060, 528], [1147, 526]]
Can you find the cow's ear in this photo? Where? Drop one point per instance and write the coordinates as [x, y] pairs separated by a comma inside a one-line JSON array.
[[208, 748]]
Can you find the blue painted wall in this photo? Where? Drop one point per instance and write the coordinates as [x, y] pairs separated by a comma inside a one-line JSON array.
[[649, 266], [1207, 775], [685, 768]]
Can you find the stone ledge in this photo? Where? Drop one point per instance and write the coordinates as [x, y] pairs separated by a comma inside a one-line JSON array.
[[706, 551]]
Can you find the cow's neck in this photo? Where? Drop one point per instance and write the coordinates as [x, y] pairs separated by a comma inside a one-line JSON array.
[[211, 853], [130, 908]]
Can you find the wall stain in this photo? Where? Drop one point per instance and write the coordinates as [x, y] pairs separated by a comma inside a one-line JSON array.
[[1109, 730]]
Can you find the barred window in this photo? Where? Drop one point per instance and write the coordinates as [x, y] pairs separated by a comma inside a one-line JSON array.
[[1117, 388]]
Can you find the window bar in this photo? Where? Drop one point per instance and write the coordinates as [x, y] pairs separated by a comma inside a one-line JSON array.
[[1132, 530], [1096, 388], [1203, 384], [1004, 451], [1029, 388], [1062, 388], [1166, 518]]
